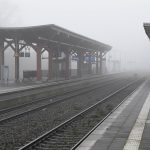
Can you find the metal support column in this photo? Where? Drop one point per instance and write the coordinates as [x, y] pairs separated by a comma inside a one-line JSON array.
[[80, 63], [57, 53], [90, 64], [101, 62], [39, 73], [16, 60], [1, 57], [67, 64], [16, 67], [50, 64], [97, 62]]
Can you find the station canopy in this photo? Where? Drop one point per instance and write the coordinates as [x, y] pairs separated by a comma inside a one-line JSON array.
[[147, 29], [51, 34]]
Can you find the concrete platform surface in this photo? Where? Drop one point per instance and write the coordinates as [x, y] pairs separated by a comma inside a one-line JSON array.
[[127, 128], [12, 86]]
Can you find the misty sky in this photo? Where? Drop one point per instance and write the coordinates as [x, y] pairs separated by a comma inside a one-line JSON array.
[[118, 23]]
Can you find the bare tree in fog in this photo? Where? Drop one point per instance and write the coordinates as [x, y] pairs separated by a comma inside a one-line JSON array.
[[7, 11]]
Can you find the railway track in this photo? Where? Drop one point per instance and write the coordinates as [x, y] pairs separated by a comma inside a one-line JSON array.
[[13, 99], [25, 95], [54, 84], [49, 101], [2, 111], [68, 134]]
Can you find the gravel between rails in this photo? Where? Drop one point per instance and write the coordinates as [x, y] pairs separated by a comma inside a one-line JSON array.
[[18, 132]]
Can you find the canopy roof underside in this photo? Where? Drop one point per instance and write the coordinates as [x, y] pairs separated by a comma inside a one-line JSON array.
[[51, 33], [147, 29]]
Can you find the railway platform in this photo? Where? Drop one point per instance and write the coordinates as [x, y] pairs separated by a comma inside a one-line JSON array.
[[127, 128], [6, 87], [21, 86], [11, 87]]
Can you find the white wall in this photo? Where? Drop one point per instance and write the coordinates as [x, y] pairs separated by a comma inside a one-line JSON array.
[[25, 63]]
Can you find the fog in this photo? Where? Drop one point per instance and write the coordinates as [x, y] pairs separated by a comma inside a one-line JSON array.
[[118, 23]]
